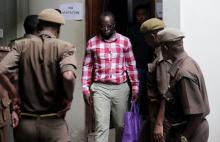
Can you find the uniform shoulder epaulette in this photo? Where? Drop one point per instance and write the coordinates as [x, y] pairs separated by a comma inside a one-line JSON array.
[[16, 39], [5, 48]]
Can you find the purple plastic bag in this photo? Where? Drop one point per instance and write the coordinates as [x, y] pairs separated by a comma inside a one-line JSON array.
[[132, 125]]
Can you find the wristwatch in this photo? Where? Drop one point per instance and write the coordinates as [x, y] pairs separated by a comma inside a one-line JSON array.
[[183, 139]]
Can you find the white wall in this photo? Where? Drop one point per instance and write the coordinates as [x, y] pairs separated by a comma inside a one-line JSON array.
[[171, 13], [200, 20]]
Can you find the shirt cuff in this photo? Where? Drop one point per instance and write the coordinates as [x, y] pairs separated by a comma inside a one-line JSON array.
[[86, 92], [68, 68], [2, 69]]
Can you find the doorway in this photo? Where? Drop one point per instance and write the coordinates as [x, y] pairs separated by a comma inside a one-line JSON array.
[[123, 11]]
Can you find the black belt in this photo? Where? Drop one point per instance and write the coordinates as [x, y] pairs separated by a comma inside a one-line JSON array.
[[110, 83]]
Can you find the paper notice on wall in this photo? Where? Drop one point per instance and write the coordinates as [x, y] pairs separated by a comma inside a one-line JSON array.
[[72, 11], [159, 9], [1, 33]]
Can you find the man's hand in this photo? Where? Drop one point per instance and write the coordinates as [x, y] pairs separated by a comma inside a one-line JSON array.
[[134, 96], [15, 105], [158, 133], [6, 83], [88, 99], [65, 107], [15, 119]]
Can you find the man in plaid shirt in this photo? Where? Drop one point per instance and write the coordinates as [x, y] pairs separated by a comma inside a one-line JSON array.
[[108, 61]]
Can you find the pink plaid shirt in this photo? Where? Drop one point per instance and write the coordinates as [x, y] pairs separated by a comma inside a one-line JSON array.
[[108, 61]]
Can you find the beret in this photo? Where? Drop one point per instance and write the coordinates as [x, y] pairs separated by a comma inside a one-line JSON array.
[[152, 25], [170, 34], [51, 15]]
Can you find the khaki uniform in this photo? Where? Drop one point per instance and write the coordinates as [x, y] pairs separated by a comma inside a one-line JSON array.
[[6, 131], [25, 36], [158, 76], [187, 96], [157, 86], [41, 62], [15, 72]]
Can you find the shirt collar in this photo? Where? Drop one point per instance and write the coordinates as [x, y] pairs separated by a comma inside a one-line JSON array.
[[28, 35], [47, 34], [175, 66], [112, 39]]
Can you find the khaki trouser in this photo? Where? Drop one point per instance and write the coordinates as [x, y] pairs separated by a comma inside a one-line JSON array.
[[200, 135], [6, 132], [42, 130], [109, 99]]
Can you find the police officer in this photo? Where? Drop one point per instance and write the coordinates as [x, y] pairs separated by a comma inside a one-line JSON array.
[[187, 105], [30, 27], [6, 131], [47, 69], [157, 83]]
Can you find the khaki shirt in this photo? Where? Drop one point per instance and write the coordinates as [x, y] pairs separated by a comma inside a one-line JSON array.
[[158, 77], [188, 90], [15, 73], [25, 36], [41, 62], [4, 98]]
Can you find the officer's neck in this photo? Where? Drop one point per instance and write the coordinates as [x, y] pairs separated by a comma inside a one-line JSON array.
[[54, 31], [178, 53]]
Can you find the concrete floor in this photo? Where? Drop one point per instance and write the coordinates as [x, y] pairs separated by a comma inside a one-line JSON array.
[[91, 137]]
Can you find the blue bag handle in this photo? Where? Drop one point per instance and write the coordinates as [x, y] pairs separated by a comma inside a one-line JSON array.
[[134, 107]]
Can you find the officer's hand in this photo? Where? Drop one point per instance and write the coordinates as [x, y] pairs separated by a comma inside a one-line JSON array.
[[15, 119], [16, 102], [134, 97], [88, 99], [65, 107], [158, 133]]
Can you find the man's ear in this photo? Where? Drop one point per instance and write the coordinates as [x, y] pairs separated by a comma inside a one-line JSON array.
[[58, 32], [155, 37], [113, 26]]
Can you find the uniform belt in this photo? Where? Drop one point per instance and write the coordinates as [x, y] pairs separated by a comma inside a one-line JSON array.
[[178, 124], [184, 122], [35, 116], [153, 100]]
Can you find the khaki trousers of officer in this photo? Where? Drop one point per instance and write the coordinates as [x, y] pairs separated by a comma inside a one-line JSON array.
[[108, 99], [200, 135], [6, 132], [42, 130]]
